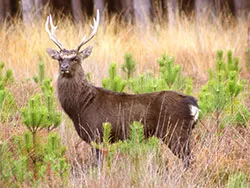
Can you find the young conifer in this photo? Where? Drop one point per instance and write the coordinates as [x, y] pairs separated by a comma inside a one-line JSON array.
[[41, 73], [114, 82], [129, 65]]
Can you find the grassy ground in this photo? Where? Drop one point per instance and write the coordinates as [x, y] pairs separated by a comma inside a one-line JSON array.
[[194, 47]]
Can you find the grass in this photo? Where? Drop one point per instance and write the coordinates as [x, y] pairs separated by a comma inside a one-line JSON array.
[[194, 46]]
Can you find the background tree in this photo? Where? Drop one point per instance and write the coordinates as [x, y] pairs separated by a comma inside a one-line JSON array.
[[242, 8], [204, 9], [27, 11], [30, 9], [172, 8], [142, 11], [39, 7], [99, 4], [127, 10], [77, 11], [1, 11], [5, 10]]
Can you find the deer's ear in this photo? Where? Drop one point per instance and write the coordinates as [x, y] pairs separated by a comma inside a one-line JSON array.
[[86, 52], [53, 53]]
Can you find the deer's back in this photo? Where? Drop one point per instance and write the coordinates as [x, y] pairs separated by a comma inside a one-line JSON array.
[[156, 111]]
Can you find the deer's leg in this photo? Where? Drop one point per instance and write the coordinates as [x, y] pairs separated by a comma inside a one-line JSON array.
[[181, 149], [186, 154], [98, 156], [179, 144]]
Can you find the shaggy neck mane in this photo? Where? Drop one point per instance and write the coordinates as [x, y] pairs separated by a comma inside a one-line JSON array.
[[70, 90]]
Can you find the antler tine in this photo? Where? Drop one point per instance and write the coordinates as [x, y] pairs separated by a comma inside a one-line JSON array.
[[94, 30], [51, 33]]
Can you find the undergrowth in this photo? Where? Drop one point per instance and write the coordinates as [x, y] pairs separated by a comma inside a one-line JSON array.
[[36, 156], [7, 101]]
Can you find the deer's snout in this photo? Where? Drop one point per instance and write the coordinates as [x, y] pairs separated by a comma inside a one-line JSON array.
[[64, 67]]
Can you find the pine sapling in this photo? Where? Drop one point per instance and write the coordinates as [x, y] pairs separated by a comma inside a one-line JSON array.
[[237, 180], [135, 146], [114, 82], [170, 78], [234, 88], [7, 77], [189, 86], [129, 65], [145, 83], [106, 134], [35, 119], [171, 73], [54, 117], [5, 162], [247, 52], [136, 133], [106, 147], [223, 88], [54, 159], [7, 101], [41, 73], [214, 96]]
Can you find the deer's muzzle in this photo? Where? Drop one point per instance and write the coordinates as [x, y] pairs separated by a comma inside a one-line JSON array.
[[64, 68]]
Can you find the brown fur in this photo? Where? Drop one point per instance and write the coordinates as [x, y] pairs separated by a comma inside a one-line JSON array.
[[164, 114]]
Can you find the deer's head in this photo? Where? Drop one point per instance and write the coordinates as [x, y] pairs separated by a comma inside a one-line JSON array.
[[70, 60]]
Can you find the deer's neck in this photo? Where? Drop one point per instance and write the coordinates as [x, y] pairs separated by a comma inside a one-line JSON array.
[[75, 93]]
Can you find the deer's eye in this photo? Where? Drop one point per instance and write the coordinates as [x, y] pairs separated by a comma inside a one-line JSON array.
[[75, 60], [60, 61]]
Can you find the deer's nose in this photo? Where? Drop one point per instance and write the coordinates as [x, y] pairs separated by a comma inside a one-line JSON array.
[[64, 67]]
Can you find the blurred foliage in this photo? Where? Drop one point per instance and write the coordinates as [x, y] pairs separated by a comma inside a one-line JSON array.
[[114, 82], [221, 93], [7, 101], [20, 164], [237, 180], [41, 73], [129, 65], [136, 145]]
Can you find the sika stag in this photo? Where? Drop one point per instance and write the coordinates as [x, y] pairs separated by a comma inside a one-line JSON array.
[[169, 115]]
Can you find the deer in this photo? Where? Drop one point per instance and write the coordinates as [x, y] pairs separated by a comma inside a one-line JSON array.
[[168, 115]]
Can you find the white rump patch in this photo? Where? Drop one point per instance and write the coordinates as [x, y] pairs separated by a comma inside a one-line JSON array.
[[194, 111]]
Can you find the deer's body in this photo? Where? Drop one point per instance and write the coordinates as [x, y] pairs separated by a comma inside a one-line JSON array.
[[168, 115], [165, 114]]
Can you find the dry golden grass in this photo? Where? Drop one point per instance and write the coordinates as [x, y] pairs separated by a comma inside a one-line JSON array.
[[215, 159], [194, 47]]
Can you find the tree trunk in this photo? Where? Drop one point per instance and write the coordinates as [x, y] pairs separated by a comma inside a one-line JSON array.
[[172, 7], [142, 12], [99, 4], [204, 9], [7, 7], [39, 8], [2, 11], [241, 8], [27, 11], [127, 10], [159, 10], [77, 10], [165, 8]]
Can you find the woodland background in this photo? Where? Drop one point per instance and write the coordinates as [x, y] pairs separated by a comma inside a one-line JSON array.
[[129, 10]]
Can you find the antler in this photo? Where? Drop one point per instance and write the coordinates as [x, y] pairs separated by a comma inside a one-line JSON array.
[[94, 30], [51, 33]]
